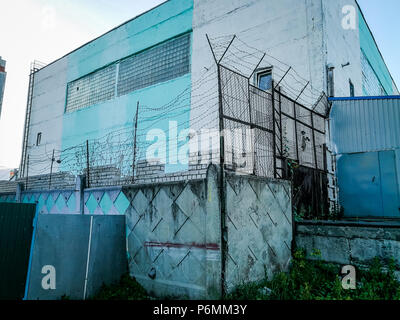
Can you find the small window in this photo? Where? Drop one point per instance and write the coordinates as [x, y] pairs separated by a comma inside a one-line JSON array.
[[264, 80], [331, 80], [351, 89], [38, 138]]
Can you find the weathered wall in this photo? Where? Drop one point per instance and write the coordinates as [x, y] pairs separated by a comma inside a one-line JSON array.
[[173, 234], [62, 130], [48, 104], [63, 241], [7, 197], [350, 243], [8, 186], [259, 224], [290, 30], [342, 46]]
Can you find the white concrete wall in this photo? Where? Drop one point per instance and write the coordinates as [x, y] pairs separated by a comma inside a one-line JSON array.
[[342, 46], [290, 30], [293, 31], [46, 116]]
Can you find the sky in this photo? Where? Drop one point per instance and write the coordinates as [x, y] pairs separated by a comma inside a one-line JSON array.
[[45, 30]]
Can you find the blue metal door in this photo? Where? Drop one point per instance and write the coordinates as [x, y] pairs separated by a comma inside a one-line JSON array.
[[368, 184]]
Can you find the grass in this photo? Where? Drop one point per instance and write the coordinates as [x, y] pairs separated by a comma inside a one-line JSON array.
[[127, 289], [318, 280], [306, 280]]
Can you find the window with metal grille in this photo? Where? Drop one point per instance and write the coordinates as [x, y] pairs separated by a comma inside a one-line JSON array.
[[265, 81], [91, 89], [163, 62]]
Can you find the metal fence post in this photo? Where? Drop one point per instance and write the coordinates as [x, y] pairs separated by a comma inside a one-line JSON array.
[[51, 169], [134, 144], [27, 173], [87, 165]]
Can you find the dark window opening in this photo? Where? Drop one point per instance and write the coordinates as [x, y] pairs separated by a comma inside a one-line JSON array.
[[331, 81], [351, 89], [38, 138]]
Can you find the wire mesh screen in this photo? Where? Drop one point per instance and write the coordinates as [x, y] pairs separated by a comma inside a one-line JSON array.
[[276, 128], [161, 63], [248, 125], [261, 108], [235, 95]]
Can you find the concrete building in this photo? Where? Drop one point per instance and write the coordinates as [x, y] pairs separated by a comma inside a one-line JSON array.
[[3, 75], [164, 53]]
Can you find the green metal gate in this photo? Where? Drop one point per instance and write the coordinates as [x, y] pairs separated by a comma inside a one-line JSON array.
[[16, 228]]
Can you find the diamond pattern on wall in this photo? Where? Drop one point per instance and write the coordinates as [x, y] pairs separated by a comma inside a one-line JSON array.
[[166, 230], [71, 203], [259, 229], [91, 204], [25, 199], [106, 203], [7, 198], [41, 203], [60, 202], [121, 203], [49, 203]]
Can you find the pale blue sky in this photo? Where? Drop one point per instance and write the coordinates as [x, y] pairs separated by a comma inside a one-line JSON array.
[[48, 29]]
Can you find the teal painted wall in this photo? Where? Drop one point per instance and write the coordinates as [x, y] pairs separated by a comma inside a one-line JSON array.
[[368, 46], [160, 24]]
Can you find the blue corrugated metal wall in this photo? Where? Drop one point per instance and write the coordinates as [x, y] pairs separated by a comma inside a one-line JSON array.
[[365, 134]]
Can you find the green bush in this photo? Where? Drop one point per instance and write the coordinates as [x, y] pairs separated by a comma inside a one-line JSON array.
[[318, 280], [127, 289]]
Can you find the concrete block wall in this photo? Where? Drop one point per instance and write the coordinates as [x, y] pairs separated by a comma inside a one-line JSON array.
[[174, 234], [354, 243], [8, 186], [259, 228], [173, 237], [59, 181], [103, 176]]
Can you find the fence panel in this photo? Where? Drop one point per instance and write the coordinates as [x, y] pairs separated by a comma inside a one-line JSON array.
[[16, 228]]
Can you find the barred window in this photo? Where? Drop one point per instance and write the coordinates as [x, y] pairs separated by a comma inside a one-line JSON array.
[[158, 64], [91, 89], [163, 62]]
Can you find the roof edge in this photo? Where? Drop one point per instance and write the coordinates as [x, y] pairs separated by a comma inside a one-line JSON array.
[[107, 32], [365, 98]]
